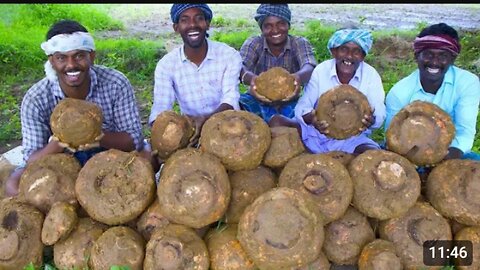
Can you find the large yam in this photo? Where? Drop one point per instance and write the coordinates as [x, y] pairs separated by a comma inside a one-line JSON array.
[[385, 184], [225, 250], [176, 247], [74, 252], [115, 187], [20, 235], [346, 237], [76, 122], [281, 229], [246, 187], [421, 132], [323, 179], [239, 138], [49, 179], [194, 189], [343, 107], [453, 188], [409, 231], [276, 84], [118, 245], [170, 132]]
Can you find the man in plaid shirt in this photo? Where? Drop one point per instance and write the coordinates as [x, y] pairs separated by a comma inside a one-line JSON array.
[[70, 72], [275, 48]]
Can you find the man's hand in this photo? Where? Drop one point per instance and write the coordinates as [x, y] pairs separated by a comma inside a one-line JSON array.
[[368, 120], [321, 126], [82, 147], [253, 91], [296, 91], [198, 123]]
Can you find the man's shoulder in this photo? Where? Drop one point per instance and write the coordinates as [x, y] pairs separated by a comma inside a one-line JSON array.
[[40, 88], [107, 74], [464, 75], [221, 46]]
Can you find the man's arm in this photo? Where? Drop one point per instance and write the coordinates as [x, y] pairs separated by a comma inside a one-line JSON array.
[[163, 91], [465, 114]]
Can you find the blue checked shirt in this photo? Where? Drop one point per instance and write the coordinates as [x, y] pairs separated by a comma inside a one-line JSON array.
[[109, 89], [258, 58], [199, 90]]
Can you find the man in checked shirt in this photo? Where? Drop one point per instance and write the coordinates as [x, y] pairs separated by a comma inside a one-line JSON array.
[[275, 48], [70, 72]]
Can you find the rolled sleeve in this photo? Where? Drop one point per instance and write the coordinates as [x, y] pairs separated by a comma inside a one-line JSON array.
[[35, 126], [305, 53]]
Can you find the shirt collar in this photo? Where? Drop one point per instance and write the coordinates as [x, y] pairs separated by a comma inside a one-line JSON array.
[[357, 75], [210, 54], [288, 45], [447, 79]]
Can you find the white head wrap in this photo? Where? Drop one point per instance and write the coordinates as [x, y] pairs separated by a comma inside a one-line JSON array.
[[65, 43]]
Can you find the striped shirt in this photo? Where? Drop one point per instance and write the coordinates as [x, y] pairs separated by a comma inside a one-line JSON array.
[[258, 58], [109, 89], [199, 90]]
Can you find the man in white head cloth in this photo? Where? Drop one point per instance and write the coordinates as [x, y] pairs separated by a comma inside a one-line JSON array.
[[70, 72]]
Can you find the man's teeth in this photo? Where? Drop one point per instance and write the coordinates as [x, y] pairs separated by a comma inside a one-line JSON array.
[[73, 73], [276, 36], [193, 34], [348, 63], [433, 70]]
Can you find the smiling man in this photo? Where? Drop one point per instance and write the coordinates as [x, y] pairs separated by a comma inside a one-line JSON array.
[[348, 48], [202, 75], [274, 48], [71, 72], [437, 80]]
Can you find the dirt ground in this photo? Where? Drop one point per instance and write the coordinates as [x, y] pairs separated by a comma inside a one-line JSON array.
[[148, 21]]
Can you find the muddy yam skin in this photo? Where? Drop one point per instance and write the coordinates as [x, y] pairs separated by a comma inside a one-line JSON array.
[[20, 235], [239, 138], [453, 188], [321, 178], [115, 187], [176, 247], [408, 232], [285, 145], [421, 132], [379, 255], [343, 107], [246, 187], [76, 122], [171, 132], [281, 229], [59, 222], [275, 84], [194, 188], [49, 179], [385, 184], [225, 250]]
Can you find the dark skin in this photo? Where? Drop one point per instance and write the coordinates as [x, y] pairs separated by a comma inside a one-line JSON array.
[[432, 65], [348, 57], [275, 31], [72, 69]]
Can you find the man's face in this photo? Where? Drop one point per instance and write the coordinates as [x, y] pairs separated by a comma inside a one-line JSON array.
[[192, 27], [72, 67], [434, 63], [348, 57], [275, 30]]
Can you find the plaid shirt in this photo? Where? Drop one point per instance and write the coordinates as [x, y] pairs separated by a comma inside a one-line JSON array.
[[109, 89], [258, 58], [199, 90]]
